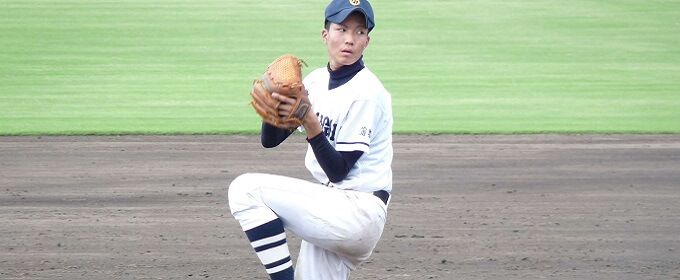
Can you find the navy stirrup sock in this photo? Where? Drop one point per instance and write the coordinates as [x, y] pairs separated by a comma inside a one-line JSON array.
[[269, 242]]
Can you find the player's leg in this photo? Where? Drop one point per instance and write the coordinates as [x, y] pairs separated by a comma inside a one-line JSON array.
[[334, 251], [348, 223], [269, 242], [262, 226], [318, 263]]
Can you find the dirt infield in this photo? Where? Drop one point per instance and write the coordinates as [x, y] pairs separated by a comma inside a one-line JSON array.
[[464, 207]]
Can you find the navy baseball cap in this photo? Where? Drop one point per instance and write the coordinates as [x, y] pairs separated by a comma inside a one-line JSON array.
[[338, 10]]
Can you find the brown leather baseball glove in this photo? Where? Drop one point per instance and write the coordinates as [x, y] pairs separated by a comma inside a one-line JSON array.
[[283, 76]]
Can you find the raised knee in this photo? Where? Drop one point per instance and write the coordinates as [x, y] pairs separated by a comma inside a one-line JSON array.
[[240, 185], [237, 193]]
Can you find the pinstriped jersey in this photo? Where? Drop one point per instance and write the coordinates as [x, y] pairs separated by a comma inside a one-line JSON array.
[[356, 116]]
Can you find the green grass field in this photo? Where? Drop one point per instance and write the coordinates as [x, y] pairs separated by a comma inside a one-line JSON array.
[[148, 66]]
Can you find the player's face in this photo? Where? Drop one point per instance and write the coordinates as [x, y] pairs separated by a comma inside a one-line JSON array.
[[346, 41]]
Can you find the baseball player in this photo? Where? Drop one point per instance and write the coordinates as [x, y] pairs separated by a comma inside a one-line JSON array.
[[341, 217]]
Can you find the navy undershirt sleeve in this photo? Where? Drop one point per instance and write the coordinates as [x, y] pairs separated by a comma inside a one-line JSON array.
[[335, 164], [272, 136]]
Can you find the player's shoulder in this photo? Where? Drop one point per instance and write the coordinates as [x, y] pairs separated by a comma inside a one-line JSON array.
[[317, 75], [371, 84]]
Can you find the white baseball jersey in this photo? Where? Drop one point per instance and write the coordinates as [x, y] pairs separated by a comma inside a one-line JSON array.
[[356, 116]]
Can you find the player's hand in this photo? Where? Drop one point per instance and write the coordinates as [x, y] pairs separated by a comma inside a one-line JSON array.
[[287, 104]]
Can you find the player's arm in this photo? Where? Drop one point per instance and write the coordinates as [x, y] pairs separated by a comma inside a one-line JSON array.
[[335, 164], [362, 116], [272, 136]]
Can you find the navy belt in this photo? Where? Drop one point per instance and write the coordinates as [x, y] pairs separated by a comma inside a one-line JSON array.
[[383, 195]]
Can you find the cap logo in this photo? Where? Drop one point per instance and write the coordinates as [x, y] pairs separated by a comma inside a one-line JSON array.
[[354, 2]]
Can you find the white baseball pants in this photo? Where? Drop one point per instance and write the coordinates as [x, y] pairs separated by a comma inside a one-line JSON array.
[[339, 228]]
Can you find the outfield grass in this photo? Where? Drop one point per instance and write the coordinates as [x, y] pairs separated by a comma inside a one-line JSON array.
[[148, 66]]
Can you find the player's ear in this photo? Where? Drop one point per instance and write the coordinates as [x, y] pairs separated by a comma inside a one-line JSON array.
[[324, 35], [368, 40]]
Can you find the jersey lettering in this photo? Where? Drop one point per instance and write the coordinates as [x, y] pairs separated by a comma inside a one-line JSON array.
[[327, 126], [365, 132]]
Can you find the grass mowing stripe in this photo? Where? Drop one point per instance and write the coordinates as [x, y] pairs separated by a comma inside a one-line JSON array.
[[585, 67], [103, 67]]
